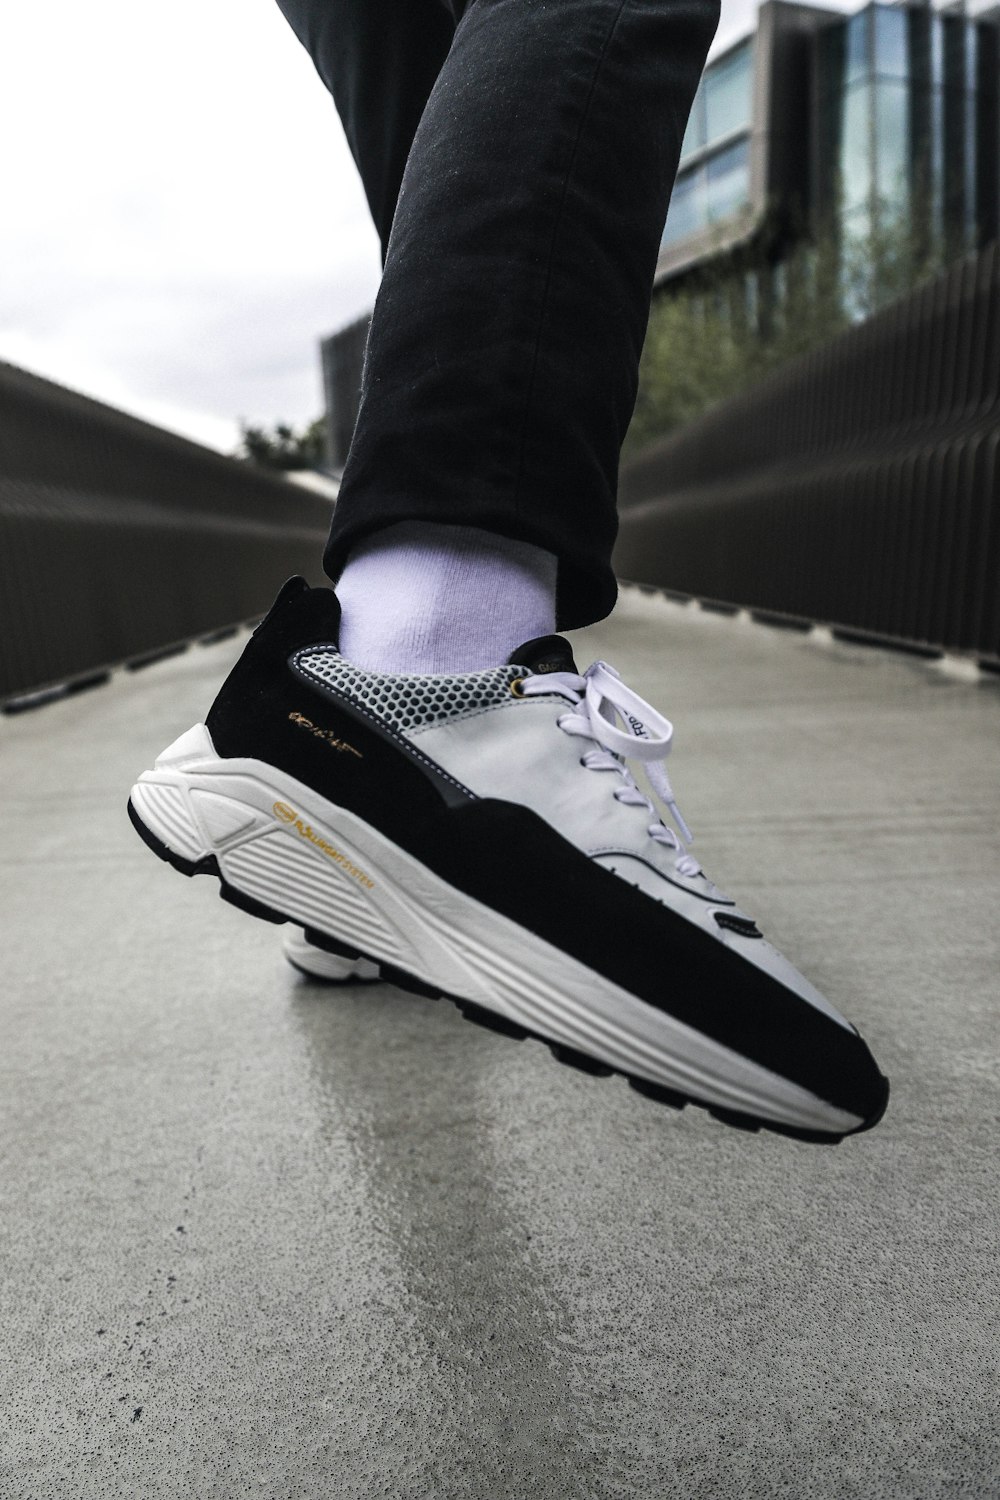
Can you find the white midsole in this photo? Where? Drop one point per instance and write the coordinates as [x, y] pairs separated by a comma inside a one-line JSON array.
[[285, 845]]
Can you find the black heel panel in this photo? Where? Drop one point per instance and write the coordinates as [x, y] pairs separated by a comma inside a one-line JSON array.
[[266, 712]]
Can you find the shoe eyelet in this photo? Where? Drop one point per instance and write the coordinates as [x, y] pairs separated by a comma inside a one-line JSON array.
[[517, 687]]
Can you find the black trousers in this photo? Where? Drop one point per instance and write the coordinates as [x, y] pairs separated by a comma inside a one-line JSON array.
[[517, 157]]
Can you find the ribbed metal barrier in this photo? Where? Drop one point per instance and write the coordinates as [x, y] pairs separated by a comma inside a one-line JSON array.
[[118, 539], [857, 486]]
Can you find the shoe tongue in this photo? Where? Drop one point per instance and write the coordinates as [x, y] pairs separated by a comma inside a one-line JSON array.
[[548, 653]]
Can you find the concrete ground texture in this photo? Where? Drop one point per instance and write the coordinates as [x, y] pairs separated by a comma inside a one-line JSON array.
[[264, 1237]]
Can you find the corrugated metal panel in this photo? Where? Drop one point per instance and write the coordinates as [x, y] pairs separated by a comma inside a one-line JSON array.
[[117, 539], [857, 486]]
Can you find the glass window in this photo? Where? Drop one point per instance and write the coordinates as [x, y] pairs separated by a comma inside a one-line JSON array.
[[855, 149], [971, 206], [728, 181], [937, 156], [891, 59], [687, 206], [892, 133], [728, 94], [858, 49], [694, 135], [937, 49], [974, 39]]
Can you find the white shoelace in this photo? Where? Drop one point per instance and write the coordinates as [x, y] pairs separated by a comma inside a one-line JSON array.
[[600, 700]]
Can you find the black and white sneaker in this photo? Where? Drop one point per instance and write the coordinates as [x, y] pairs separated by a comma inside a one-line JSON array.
[[320, 963], [480, 837]]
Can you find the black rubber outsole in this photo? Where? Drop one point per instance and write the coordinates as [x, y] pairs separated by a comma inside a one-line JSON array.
[[568, 1056]]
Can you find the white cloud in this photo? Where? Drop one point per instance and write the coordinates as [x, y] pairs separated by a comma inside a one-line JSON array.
[[182, 219], [61, 362]]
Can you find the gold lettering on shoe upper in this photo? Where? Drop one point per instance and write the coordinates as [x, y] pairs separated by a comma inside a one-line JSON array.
[[324, 734], [291, 819]]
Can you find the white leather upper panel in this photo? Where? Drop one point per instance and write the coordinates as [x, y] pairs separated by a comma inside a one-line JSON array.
[[517, 752]]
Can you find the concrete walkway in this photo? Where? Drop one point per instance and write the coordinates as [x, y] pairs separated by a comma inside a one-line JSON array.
[[265, 1238]]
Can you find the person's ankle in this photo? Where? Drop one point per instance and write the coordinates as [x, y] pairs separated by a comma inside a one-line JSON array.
[[420, 596]]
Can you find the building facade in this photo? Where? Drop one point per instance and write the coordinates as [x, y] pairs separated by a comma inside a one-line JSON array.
[[817, 120], [847, 121]]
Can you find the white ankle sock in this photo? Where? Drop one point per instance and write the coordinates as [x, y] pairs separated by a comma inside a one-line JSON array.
[[422, 597]]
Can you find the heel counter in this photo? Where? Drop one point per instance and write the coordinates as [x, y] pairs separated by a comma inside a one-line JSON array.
[[299, 616]]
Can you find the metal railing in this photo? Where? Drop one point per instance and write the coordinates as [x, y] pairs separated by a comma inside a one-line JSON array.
[[118, 539], [857, 486]]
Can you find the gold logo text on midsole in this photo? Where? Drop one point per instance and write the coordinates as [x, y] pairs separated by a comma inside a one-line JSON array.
[[290, 818], [324, 734]]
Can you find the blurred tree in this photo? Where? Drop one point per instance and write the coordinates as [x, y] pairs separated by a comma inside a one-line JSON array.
[[729, 324], [282, 447]]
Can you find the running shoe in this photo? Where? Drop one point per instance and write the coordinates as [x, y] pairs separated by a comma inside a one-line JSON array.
[[481, 837]]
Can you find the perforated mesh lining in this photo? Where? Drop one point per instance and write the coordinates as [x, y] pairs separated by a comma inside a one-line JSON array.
[[403, 702]]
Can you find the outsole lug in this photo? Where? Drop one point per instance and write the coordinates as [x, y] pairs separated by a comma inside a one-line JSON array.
[[150, 658], [333, 945], [207, 865], [478, 1014], [570, 1058], [815, 1137], [250, 904], [734, 1118], [658, 1091], [408, 982]]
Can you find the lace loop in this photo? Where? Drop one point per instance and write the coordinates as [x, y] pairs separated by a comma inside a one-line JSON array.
[[602, 703]]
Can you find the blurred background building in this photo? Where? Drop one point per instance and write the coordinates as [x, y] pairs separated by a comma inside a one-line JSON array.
[[816, 430], [821, 121], [872, 138]]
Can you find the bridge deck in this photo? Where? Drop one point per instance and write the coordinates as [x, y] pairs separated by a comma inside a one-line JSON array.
[[268, 1238]]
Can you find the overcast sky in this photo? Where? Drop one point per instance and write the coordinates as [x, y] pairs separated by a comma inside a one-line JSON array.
[[180, 218]]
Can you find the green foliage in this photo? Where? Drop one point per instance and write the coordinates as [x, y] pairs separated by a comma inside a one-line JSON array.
[[727, 326], [282, 447]]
